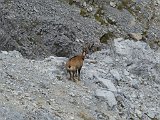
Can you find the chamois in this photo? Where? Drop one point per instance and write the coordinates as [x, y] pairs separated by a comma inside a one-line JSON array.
[[74, 65]]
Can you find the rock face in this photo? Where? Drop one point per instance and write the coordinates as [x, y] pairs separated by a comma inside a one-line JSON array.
[[38, 29], [31, 89], [44, 28], [136, 19]]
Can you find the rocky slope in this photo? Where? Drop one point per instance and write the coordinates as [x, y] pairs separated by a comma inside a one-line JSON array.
[[45, 27], [41, 28], [119, 83]]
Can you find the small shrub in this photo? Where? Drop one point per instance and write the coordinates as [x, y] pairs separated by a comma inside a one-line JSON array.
[[106, 37]]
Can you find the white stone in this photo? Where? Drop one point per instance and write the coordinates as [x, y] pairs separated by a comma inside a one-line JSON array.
[[71, 118], [89, 9], [134, 95], [4, 52], [84, 4], [126, 72], [35, 9], [112, 4], [108, 95], [136, 36]]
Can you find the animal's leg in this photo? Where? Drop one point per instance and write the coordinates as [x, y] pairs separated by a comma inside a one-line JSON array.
[[76, 74], [79, 72], [75, 80], [70, 75]]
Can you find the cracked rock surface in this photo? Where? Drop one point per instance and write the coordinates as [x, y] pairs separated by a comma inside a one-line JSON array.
[[118, 83]]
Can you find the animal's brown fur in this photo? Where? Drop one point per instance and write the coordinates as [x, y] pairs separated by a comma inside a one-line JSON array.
[[74, 65]]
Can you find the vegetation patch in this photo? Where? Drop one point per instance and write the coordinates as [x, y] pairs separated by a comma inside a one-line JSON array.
[[153, 43], [85, 116], [32, 39], [29, 25], [99, 16], [7, 1], [71, 2], [112, 22], [106, 37], [19, 42], [84, 13], [129, 5]]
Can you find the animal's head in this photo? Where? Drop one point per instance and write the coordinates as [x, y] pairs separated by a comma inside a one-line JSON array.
[[84, 51], [87, 49]]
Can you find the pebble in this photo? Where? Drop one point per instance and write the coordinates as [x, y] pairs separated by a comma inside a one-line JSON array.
[[113, 4]]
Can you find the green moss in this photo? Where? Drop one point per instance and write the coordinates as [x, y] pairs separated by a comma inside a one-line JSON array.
[[34, 23], [106, 37], [84, 13], [138, 8], [126, 4], [85, 116], [153, 43], [131, 11], [157, 42], [111, 21], [31, 39], [71, 2], [120, 6], [29, 25], [19, 42], [101, 20], [100, 11], [99, 16], [144, 33], [35, 39], [7, 1], [96, 49]]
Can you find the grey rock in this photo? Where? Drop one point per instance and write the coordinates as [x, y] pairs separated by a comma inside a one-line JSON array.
[[108, 83], [108, 95], [41, 31], [120, 47], [138, 113], [151, 114], [108, 60], [135, 84], [126, 73], [4, 52], [116, 74], [53, 27]]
